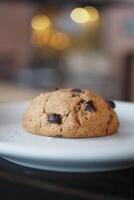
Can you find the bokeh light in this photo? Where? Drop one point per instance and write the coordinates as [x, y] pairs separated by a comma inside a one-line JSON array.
[[40, 22], [93, 13], [50, 38], [47, 36], [80, 15], [37, 38], [59, 40]]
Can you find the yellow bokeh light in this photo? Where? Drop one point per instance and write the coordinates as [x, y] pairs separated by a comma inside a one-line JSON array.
[[40, 22], [80, 15], [47, 36], [93, 13], [59, 40], [51, 38]]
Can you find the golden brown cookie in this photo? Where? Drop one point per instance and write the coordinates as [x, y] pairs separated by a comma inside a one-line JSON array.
[[71, 113]]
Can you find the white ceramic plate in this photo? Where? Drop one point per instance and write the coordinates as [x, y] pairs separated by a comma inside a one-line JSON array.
[[60, 154]]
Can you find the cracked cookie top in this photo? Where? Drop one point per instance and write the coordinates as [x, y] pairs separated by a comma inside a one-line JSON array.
[[71, 113]]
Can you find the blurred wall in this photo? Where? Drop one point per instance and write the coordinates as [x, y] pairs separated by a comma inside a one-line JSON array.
[[15, 49]]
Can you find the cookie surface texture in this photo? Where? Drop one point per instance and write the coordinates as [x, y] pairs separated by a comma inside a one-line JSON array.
[[71, 113]]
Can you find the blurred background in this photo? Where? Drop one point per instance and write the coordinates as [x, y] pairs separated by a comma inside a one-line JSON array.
[[66, 43]]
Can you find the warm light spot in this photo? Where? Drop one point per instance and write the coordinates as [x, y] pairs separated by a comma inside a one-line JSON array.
[[40, 22], [59, 40], [47, 36], [50, 38], [37, 38], [93, 13], [80, 15]]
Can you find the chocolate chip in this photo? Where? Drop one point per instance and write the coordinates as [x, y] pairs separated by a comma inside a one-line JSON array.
[[74, 95], [54, 118], [111, 103], [56, 89], [89, 106], [82, 101], [76, 90]]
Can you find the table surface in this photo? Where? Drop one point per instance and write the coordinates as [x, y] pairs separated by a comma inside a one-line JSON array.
[[11, 92], [20, 182]]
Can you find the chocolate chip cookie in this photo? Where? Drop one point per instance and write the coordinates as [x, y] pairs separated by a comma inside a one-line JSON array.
[[71, 113]]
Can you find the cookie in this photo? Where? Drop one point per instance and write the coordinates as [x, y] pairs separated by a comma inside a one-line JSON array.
[[71, 113]]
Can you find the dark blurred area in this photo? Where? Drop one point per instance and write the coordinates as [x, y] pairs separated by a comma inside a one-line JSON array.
[[77, 44]]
